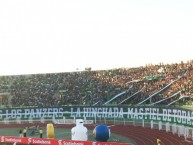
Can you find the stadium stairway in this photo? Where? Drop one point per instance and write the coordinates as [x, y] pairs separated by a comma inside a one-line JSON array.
[[150, 96], [177, 93], [116, 96]]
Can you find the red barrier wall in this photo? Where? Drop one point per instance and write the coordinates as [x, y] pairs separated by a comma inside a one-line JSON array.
[[45, 141]]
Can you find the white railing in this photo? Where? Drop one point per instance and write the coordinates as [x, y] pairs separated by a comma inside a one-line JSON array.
[[180, 130]]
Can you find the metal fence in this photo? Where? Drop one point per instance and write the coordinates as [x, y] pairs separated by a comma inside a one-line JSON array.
[[180, 130]]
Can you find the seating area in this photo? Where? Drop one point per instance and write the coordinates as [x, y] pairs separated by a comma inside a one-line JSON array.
[[89, 87]]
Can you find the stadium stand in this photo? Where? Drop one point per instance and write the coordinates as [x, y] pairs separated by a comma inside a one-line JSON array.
[[147, 84]]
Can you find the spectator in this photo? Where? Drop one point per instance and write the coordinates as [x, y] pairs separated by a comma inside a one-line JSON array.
[[41, 133], [20, 133], [89, 87], [25, 132]]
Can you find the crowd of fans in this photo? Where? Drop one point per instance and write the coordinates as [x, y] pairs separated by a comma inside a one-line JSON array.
[[91, 87]]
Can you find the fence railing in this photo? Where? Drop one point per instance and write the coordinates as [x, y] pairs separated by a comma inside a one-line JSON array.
[[180, 130]]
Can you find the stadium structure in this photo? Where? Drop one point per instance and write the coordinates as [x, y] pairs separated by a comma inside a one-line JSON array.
[[141, 103]]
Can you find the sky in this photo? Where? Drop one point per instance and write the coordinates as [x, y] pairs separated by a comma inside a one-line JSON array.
[[46, 36]]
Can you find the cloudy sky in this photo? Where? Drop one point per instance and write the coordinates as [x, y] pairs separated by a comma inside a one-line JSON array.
[[39, 36]]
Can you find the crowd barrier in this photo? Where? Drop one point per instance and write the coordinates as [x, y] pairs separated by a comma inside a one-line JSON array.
[[180, 130], [40, 141], [174, 120]]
